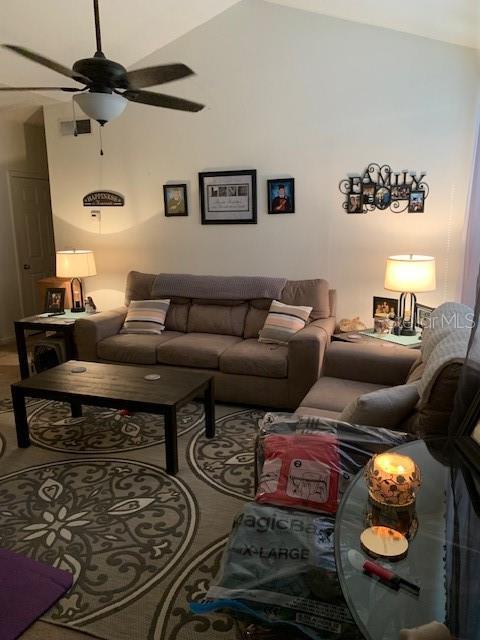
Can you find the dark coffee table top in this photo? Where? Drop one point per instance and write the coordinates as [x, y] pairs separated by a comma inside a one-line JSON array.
[[117, 382]]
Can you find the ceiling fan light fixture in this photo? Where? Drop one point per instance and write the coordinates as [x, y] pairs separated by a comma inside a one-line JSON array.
[[102, 107]]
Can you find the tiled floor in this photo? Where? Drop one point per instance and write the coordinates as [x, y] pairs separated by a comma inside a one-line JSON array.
[[9, 372]]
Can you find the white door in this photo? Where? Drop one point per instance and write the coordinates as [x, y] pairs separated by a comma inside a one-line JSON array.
[[32, 218]]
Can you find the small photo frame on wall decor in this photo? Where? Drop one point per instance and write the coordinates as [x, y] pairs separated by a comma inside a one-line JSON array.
[[228, 197], [416, 203], [355, 203], [54, 300], [281, 195], [175, 200]]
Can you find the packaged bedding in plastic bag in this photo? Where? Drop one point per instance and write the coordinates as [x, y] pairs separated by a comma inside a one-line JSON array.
[[278, 566], [307, 463]]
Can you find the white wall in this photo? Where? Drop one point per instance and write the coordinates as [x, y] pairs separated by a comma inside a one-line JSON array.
[[22, 148], [288, 93]]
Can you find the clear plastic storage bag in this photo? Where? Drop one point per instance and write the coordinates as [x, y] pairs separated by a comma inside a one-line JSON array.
[[279, 566]]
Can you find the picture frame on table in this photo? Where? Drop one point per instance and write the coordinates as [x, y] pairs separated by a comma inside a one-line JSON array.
[[281, 195], [384, 307], [54, 300], [175, 200], [228, 197], [423, 313]]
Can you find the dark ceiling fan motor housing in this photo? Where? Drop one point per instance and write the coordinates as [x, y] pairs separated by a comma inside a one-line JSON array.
[[105, 75]]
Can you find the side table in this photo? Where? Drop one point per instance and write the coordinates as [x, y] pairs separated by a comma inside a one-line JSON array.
[[64, 324], [369, 335]]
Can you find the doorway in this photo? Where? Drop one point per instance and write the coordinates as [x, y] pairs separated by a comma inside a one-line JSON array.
[[33, 229]]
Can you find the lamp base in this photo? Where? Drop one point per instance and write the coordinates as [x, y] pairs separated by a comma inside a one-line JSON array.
[[77, 309], [408, 331]]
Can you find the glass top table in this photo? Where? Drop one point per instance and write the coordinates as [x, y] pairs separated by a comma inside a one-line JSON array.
[[443, 557]]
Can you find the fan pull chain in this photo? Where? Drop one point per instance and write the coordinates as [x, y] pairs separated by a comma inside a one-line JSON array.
[[101, 142], [75, 132]]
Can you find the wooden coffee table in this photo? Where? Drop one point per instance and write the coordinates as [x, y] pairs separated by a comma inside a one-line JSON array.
[[121, 387]]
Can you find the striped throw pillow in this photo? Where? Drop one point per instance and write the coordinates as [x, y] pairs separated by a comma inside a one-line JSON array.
[[283, 321], [146, 316]]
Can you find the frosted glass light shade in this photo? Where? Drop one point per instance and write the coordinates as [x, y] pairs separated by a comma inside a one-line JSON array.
[[102, 107], [410, 273], [76, 264]]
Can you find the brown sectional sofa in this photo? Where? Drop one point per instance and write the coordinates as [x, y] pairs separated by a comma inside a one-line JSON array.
[[352, 370], [220, 335]]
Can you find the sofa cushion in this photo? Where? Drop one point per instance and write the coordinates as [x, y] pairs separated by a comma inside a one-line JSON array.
[[254, 321], [283, 322], [309, 293], [177, 316], [133, 348], [218, 319], [201, 350], [253, 358], [387, 408], [139, 286], [433, 414], [146, 316], [334, 394]]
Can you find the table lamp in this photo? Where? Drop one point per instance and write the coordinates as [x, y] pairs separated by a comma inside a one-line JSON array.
[[409, 274], [76, 264]]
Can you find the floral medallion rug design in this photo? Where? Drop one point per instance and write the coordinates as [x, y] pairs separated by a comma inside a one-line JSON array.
[[91, 496]]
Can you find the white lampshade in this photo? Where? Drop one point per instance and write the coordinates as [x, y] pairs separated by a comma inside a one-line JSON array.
[[410, 273], [102, 107], [78, 263]]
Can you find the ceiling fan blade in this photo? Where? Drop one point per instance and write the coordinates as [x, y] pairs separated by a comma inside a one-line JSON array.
[[73, 89], [151, 76], [46, 62], [161, 100]]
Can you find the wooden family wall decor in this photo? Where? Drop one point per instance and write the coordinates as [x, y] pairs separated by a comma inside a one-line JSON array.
[[378, 187]]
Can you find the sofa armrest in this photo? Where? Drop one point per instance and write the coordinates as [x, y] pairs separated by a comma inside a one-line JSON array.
[[89, 331], [367, 362], [305, 356]]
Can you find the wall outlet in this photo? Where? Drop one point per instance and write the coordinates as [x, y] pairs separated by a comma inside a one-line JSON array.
[[96, 215]]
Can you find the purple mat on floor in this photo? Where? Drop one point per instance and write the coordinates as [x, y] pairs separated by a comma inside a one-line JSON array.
[[27, 589]]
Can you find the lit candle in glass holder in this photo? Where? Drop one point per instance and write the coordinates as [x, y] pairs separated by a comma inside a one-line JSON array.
[[392, 479]]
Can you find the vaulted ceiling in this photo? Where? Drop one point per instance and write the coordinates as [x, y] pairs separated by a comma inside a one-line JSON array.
[[132, 29], [454, 21]]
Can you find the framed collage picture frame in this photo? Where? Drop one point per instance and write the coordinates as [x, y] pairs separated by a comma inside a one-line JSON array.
[[228, 197]]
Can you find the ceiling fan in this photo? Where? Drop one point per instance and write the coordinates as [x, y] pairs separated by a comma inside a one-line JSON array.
[[108, 85]]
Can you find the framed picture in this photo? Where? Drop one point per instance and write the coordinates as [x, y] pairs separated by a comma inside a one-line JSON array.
[[401, 192], [355, 203], [382, 197], [384, 307], [423, 315], [54, 300], [228, 197], [368, 191], [416, 203], [175, 200], [281, 195]]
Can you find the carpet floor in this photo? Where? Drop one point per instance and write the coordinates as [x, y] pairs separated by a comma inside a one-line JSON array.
[[91, 496]]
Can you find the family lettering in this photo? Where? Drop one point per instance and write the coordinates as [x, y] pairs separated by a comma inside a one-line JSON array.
[[378, 187]]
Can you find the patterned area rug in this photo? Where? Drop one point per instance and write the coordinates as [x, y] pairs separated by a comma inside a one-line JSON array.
[[91, 496]]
